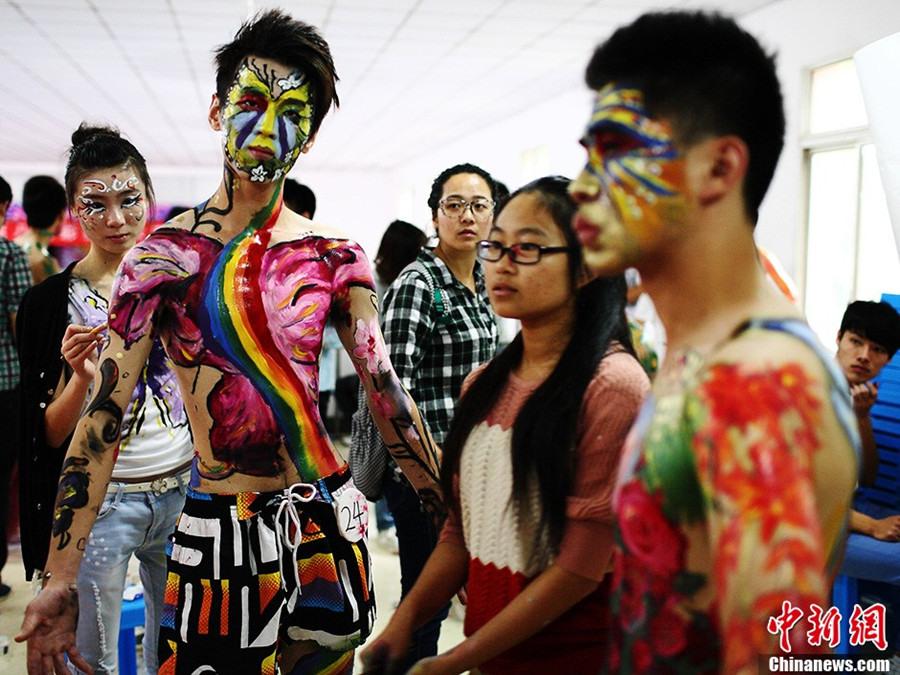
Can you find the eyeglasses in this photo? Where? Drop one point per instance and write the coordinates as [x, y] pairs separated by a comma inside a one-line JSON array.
[[523, 254], [454, 207]]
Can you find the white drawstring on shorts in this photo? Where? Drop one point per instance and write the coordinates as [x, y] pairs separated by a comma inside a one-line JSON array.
[[287, 508]]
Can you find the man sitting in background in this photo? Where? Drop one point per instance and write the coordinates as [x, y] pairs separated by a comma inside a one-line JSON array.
[[868, 338]]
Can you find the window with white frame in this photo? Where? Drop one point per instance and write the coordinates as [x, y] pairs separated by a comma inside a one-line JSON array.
[[850, 249]]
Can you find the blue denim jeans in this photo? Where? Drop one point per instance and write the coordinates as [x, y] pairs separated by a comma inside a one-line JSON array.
[[384, 520], [139, 524], [416, 540]]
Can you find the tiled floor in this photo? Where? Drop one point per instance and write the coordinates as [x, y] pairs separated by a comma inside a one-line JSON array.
[[387, 591]]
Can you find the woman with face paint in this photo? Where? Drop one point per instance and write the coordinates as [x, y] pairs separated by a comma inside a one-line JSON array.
[[438, 326], [110, 193], [530, 461]]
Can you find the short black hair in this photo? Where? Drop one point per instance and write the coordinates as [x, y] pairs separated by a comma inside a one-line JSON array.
[[275, 35], [437, 187], [43, 200], [400, 245], [5, 191], [707, 76], [875, 321], [299, 197], [99, 147]]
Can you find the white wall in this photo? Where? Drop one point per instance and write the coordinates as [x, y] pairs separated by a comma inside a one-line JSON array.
[[548, 133], [806, 34]]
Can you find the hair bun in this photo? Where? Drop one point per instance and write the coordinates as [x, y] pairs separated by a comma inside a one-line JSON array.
[[86, 132]]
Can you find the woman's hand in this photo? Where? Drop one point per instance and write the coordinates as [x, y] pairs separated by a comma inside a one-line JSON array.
[[385, 656], [80, 349]]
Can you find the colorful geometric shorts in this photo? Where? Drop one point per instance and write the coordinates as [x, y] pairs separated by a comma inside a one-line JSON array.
[[253, 571]]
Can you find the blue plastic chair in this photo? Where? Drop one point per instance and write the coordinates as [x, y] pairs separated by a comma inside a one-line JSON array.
[[844, 595], [132, 617]]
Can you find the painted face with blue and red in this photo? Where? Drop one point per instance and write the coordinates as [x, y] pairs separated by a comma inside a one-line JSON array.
[[633, 190], [266, 117]]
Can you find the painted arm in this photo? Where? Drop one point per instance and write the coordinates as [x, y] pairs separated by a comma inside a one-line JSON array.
[[79, 347], [443, 575], [51, 618], [759, 449], [393, 410]]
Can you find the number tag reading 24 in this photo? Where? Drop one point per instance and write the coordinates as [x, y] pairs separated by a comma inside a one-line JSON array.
[[352, 511]]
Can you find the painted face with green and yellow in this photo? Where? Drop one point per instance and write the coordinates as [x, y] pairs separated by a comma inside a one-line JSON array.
[[266, 118], [633, 186]]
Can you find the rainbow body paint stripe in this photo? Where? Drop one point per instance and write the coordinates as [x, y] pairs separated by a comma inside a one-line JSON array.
[[239, 326]]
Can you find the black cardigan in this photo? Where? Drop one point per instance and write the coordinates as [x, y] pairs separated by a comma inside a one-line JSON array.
[[40, 326]]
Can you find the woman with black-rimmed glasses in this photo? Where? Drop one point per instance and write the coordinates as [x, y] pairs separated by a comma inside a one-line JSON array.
[[438, 327], [530, 460]]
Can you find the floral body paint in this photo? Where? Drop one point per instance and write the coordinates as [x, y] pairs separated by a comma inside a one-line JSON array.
[[718, 483]]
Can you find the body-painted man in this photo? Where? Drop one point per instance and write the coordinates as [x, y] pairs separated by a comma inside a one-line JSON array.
[[732, 498], [268, 569]]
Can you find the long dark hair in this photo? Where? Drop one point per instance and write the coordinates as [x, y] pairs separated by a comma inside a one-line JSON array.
[[544, 433]]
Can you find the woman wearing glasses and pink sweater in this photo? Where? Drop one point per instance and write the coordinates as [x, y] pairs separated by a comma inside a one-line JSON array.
[[530, 461]]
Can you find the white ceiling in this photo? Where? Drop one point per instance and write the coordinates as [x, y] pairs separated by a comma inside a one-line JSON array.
[[414, 73]]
